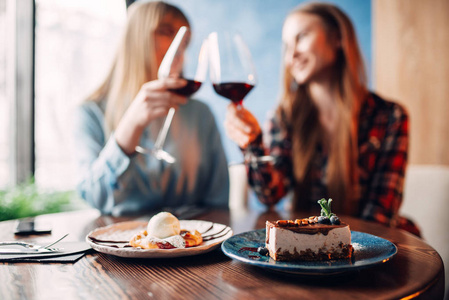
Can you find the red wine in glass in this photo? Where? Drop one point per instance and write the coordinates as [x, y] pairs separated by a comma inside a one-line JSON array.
[[189, 89], [233, 75], [234, 91]]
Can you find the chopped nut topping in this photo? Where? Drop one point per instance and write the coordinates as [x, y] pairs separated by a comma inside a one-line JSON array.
[[282, 223], [297, 222]]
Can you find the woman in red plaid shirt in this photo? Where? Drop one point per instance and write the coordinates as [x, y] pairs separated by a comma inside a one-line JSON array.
[[330, 136]]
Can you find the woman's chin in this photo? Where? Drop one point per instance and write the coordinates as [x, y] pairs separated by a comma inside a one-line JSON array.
[[301, 78]]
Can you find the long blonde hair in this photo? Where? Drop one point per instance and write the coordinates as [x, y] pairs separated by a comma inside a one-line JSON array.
[[300, 116], [135, 61]]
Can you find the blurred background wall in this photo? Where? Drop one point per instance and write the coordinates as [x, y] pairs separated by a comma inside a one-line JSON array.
[[411, 66]]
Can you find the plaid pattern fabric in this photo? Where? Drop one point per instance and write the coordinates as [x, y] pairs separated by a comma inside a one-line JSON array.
[[382, 144]]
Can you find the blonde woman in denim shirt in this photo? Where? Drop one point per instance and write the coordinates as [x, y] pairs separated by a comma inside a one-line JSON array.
[[128, 110]]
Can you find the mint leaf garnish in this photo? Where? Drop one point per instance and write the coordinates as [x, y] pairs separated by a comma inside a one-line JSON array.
[[326, 207]]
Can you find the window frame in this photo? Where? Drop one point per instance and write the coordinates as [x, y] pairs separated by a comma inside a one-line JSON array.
[[20, 76]]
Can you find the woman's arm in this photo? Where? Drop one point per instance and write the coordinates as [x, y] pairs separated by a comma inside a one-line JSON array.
[[103, 160], [100, 163], [271, 181], [384, 191]]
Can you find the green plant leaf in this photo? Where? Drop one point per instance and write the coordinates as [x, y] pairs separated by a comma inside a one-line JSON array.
[[27, 200]]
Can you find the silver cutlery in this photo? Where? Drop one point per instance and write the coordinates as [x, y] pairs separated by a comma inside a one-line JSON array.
[[27, 251], [29, 248]]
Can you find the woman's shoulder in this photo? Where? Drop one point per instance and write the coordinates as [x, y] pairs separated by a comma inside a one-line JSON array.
[[377, 110], [90, 111], [388, 107], [91, 106]]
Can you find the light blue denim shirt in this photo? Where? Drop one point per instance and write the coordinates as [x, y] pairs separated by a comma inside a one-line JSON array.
[[118, 184]]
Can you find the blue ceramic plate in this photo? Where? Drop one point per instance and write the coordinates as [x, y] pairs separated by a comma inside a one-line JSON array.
[[369, 250]]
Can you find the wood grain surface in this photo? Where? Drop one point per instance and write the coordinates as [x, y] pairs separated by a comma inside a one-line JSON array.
[[411, 66], [416, 271]]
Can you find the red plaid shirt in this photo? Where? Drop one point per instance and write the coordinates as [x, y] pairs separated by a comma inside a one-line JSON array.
[[383, 146]]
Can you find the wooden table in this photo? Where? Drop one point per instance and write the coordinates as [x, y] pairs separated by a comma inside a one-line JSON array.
[[415, 272]]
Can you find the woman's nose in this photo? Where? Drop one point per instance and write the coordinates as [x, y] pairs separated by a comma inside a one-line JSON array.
[[290, 54]]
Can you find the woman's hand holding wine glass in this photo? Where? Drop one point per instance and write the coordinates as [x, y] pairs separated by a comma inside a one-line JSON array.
[[152, 102], [233, 76], [174, 66], [241, 126]]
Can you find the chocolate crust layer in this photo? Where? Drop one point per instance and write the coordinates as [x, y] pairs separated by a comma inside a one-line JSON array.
[[308, 255]]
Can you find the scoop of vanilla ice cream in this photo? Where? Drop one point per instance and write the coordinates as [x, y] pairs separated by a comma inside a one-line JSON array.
[[163, 225]]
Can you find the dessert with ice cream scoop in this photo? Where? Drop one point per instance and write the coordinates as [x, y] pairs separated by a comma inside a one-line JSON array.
[[322, 237], [164, 232]]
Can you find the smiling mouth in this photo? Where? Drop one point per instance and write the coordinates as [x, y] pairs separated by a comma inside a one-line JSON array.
[[299, 65]]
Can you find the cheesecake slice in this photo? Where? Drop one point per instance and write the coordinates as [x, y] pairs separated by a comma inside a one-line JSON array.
[[316, 238], [306, 239]]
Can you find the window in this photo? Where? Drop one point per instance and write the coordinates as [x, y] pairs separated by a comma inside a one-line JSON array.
[[75, 44], [4, 104]]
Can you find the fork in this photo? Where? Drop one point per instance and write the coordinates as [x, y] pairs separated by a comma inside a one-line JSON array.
[[33, 246]]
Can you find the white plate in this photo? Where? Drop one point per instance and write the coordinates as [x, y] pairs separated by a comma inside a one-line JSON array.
[[113, 239]]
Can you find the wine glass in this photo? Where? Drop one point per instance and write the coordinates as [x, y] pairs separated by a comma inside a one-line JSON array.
[[233, 74], [178, 63]]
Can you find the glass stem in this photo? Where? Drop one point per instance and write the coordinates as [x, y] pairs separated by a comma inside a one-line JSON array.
[[160, 140]]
